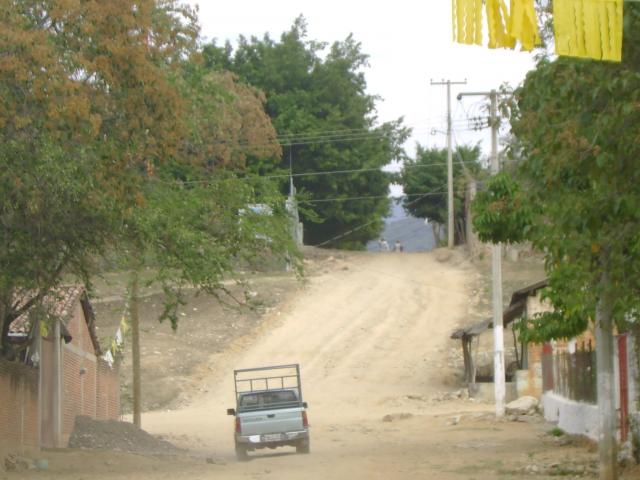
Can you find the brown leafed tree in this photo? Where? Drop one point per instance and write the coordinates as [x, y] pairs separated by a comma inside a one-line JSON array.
[[88, 102]]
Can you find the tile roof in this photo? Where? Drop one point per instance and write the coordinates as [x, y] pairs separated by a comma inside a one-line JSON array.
[[60, 304]]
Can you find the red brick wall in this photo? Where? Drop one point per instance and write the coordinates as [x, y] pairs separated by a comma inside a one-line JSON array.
[[70, 392], [90, 386], [108, 401], [18, 405]]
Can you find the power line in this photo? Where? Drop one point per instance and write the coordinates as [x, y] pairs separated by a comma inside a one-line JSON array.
[[328, 172], [368, 197], [360, 227], [285, 137]]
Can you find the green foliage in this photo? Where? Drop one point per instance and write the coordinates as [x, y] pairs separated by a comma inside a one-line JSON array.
[[556, 432], [578, 130], [424, 180], [317, 101], [54, 218], [105, 116], [501, 214], [196, 234]]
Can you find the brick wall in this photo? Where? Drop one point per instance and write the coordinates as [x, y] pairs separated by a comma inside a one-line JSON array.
[[18, 405], [108, 387], [90, 386]]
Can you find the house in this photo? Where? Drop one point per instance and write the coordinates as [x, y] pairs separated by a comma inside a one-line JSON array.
[[562, 374], [570, 396], [527, 363], [62, 373]]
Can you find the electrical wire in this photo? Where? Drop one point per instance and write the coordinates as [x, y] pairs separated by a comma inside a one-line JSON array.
[[360, 227], [368, 197], [328, 172]]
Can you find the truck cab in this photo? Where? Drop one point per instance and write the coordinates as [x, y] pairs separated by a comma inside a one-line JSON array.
[[270, 411]]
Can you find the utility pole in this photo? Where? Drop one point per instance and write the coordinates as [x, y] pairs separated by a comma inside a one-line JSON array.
[[292, 209], [450, 226], [496, 265], [135, 347]]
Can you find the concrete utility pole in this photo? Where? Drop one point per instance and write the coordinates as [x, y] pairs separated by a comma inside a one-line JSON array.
[[606, 381], [450, 226], [496, 266]]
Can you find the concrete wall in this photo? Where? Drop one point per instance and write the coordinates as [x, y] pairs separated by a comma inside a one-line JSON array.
[[529, 382], [485, 391], [572, 417]]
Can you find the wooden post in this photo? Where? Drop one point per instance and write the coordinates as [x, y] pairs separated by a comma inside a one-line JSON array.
[[135, 351], [57, 392], [465, 358]]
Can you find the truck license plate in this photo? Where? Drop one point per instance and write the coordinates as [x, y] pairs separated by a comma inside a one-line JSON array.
[[272, 437]]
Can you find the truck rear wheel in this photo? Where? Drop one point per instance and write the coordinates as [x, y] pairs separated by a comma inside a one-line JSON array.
[[241, 453], [303, 446]]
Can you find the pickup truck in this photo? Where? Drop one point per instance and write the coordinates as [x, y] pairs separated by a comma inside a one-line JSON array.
[[269, 410]]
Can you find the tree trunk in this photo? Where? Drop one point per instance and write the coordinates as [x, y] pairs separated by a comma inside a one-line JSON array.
[[605, 376], [4, 342], [5, 346], [135, 350]]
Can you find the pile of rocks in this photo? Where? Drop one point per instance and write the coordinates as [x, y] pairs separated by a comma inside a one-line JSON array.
[[113, 435], [461, 394]]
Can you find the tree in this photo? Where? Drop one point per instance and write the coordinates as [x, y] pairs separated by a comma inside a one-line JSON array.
[[424, 180], [325, 122], [577, 129], [73, 125], [501, 211], [99, 99], [227, 122]]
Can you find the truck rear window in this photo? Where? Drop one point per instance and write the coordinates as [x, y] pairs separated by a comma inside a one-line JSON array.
[[270, 399]]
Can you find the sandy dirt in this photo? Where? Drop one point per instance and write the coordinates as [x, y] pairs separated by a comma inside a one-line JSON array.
[[371, 333]]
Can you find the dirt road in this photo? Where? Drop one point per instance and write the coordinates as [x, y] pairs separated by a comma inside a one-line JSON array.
[[372, 337], [371, 332]]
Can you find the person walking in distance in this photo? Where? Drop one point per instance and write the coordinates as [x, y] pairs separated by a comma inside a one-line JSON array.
[[398, 247], [384, 246]]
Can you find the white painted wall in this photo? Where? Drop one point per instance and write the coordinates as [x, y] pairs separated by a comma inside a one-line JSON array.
[[573, 417]]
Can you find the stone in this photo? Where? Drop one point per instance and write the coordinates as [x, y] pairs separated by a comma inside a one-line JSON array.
[[393, 417], [453, 421], [522, 406]]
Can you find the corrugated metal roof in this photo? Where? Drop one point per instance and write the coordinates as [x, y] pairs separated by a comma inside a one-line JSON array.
[[514, 310]]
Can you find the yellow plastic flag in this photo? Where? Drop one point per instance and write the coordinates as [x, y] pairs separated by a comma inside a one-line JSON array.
[[505, 26], [523, 24], [497, 23], [588, 28], [467, 21]]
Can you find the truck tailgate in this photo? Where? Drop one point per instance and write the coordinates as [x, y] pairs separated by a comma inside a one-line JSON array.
[[271, 421]]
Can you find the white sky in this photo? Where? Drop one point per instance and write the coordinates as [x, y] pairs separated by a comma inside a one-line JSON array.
[[409, 43]]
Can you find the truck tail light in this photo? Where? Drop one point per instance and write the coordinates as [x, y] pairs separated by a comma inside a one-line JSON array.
[[305, 420], [238, 426]]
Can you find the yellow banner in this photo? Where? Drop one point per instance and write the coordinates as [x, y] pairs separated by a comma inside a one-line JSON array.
[[505, 26], [588, 28], [467, 21], [582, 28]]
